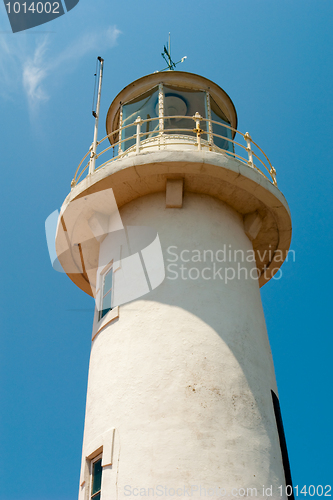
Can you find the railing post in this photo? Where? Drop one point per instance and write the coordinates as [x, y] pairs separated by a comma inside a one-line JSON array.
[[138, 131], [273, 175], [197, 117], [120, 131], [210, 125], [248, 139], [161, 108]]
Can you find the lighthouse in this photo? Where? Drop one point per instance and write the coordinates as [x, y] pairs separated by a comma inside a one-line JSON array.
[[173, 223]]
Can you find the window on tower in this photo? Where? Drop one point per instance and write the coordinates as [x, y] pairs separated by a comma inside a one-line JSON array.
[[96, 478], [106, 292]]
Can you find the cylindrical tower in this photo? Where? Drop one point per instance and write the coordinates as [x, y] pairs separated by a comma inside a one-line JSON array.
[[173, 233]]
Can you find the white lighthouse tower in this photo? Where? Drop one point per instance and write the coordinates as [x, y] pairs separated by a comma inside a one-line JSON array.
[[173, 226]]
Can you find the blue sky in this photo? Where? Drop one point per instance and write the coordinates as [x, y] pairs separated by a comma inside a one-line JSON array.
[[274, 59]]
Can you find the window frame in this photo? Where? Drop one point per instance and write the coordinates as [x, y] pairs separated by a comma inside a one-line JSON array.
[[92, 495], [103, 274]]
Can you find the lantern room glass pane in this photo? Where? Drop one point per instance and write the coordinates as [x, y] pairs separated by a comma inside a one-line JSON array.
[[184, 102], [219, 116], [145, 106]]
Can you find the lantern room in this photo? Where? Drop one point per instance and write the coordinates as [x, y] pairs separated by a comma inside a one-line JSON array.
[[170, 108]]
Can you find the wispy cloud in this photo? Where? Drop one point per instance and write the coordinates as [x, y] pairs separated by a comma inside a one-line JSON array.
[[34, 73], [31, 64]]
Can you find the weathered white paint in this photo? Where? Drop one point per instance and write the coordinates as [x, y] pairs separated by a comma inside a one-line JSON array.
[[184, 374]]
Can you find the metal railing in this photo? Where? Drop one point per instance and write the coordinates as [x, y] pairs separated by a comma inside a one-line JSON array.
[[163, 137]]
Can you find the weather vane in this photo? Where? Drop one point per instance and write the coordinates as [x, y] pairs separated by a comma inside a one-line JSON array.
[[166, 54]]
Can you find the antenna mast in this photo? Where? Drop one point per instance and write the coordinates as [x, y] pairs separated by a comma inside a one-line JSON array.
[[169, 47], [166, 54], [96, 115]]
